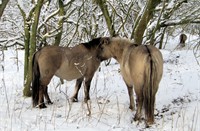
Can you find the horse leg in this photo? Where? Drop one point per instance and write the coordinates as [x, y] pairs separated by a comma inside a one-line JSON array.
[[43, 90], [139, 106], [87, 90], [77, 88], [41, 97], [130, 92], [46, 95]]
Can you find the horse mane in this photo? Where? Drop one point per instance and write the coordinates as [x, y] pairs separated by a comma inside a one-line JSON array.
[[123, 41], [93, 43]]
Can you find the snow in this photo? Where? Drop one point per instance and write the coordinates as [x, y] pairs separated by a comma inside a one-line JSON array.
[[177, 100], [171, 4]]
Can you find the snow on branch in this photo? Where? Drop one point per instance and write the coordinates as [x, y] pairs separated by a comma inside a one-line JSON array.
[[179, 22], [48, 18], [189, 16], [10, 42]]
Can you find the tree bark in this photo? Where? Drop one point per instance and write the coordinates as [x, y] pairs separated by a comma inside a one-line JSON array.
[[109, 22], [142, 20], [60, 22], [26, 41], [3, 6]]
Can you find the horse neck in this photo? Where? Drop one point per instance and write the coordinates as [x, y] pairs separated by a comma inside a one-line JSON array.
[[79, 49], [85, 52], [120, 50]]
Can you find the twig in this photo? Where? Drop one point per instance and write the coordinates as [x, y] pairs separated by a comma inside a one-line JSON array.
[[7, 102], [118, 108]]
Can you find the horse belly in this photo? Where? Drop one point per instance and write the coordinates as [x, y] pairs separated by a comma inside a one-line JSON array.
[[69, 73], [125, 71]]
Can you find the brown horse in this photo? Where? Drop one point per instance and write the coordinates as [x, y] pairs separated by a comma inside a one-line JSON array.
[[141, 68], [79, 62]]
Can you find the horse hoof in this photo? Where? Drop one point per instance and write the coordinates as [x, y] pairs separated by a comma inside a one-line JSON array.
[[149, 123], [136, 118], [42, 106], [74, 99], [49, 102], [132, 108], [35, 105], [86, 100], [147, 126]]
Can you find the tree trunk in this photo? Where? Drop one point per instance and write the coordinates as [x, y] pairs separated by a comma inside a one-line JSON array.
[[26, 91], [109, 22], [3, 6], [26, 45], [60, 22], [142, 20], [32, 49]]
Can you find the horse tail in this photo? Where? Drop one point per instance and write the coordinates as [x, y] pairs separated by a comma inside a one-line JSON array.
[[148, 90], [35, 80]]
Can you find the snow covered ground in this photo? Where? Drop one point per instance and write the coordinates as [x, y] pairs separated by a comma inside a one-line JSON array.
[[177, 100]]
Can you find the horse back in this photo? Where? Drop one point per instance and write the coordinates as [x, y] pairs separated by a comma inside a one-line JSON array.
[[50, 55]]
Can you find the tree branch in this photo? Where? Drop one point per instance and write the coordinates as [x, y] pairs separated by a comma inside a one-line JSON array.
[[179, 22]]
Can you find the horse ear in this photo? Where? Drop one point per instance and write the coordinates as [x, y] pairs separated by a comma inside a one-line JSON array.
[[105, 40]]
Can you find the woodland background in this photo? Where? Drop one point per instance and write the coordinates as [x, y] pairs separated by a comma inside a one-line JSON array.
[[29, 25]]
